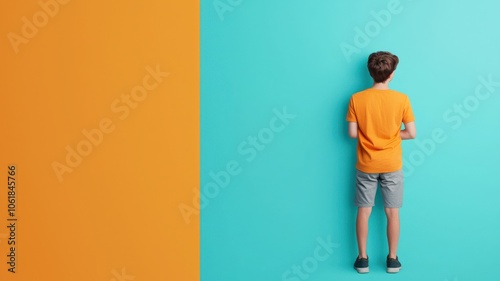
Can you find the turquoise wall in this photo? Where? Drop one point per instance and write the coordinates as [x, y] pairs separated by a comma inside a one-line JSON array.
[[277, 166]]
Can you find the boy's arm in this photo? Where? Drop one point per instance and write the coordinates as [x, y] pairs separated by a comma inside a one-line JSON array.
[[410, 132], [353, 130]]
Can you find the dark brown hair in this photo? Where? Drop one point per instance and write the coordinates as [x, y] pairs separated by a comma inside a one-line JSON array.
[[381, 65]]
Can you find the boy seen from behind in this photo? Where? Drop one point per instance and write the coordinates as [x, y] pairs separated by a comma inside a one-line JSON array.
[[375, 116]]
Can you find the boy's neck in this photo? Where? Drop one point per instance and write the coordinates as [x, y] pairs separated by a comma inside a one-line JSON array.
[[381, 86]]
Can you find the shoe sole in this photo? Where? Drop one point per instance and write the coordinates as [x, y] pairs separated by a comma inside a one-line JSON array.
[[393, 269], [362, 270]]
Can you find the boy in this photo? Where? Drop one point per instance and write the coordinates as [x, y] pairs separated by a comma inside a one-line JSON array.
[[375, 116]]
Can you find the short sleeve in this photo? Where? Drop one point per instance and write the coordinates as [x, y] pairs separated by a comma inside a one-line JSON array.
[[408, 112], [351, 113]]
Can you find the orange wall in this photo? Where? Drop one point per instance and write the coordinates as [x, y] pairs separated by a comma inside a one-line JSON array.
[[76, 80]]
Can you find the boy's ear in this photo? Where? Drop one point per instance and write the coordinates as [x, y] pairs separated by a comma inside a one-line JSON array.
[[391, 76]]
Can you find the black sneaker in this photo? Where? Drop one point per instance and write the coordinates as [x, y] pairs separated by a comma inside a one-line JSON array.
[[361, 265], [393, 265]]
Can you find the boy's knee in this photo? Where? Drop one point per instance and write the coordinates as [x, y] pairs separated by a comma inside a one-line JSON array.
[[365, 211], [392, 213]]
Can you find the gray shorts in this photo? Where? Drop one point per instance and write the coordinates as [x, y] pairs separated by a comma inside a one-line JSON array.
[[391, 185]]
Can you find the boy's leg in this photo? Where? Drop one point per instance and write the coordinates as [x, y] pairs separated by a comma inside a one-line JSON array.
[[392, 230], [391, 185], [366, 187], [362, 229]]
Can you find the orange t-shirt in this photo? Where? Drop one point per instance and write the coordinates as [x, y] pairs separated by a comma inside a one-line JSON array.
[[379, 114]]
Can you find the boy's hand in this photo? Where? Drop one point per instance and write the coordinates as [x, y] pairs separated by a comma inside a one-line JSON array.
[[410, 132]]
